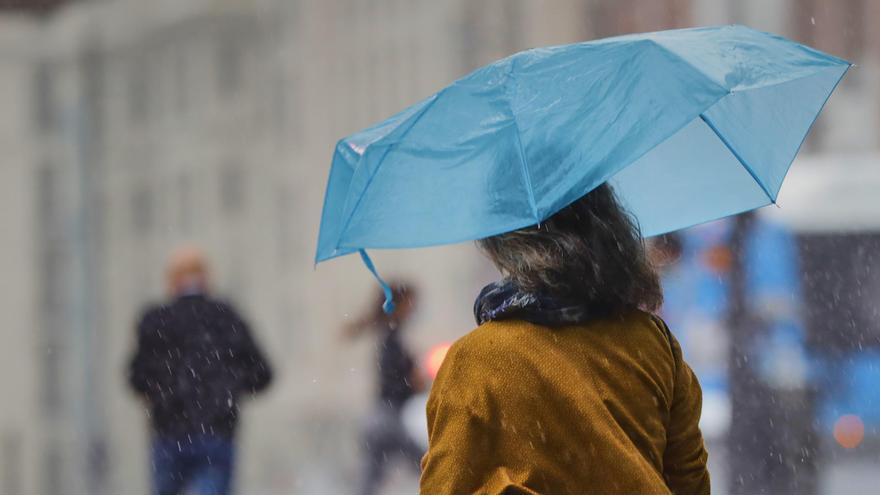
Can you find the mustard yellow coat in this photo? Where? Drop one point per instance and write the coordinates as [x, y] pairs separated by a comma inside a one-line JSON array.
[[607, 407]]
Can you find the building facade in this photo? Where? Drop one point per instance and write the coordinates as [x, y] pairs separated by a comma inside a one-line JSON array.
[[140, 125]]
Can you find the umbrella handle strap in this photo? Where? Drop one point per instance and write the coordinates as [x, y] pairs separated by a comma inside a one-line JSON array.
[[388, 307]]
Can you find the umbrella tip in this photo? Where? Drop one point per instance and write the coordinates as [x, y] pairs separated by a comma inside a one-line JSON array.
[[388, 307]]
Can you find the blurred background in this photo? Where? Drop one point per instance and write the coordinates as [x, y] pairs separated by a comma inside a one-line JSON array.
[[130, 127]]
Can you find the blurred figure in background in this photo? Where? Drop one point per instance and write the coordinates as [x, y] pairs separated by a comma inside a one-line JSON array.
[[772, 441], [384, 435], [195, 359], [733, 295]]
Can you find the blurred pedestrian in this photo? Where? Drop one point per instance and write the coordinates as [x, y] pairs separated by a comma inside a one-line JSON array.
[[570, 384], [195, 360], [384, 435], [772, 441]]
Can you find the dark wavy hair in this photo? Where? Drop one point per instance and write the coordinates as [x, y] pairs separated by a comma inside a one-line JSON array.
[[590, 251]]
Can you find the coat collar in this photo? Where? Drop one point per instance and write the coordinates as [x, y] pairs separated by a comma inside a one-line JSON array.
[[505, 301]]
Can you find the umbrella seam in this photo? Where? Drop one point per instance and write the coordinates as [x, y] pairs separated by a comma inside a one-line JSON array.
[[339, 144], [379, 166], [525, 170], [689, 64], [838, 62], [522, 155], [738, 157]]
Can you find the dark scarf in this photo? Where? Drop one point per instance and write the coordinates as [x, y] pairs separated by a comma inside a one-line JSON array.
[[505, 301]]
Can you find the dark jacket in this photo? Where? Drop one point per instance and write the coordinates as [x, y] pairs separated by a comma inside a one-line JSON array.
[[195, 358], [396, 367]]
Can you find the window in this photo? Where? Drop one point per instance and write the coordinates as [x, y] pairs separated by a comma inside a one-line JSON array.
[[181, 78], [43, 98], [285, 232], [186, 203], [52, 474], [53, 364], [237, 280], [232, 187], [47, 199], [229, 63], [142, 210], [51, 272], [51, 293], [282, 94], [51, 278], [138, 90], [10, 462]]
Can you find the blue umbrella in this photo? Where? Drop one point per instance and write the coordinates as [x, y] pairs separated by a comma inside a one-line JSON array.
[[687, 126]]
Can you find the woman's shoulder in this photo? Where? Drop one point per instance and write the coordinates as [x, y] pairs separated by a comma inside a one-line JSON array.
[[487, 346], [485, 362], [495, 337]]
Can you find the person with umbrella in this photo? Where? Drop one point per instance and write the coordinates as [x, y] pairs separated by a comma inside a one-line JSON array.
[[557, 160], [570, 383]]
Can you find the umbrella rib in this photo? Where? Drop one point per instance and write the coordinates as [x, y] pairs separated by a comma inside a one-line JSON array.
[[388, 146], [522, 155], [738, 157], [525, 171]]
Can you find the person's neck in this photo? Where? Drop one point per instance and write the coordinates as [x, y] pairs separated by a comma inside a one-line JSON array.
[[190, 291]]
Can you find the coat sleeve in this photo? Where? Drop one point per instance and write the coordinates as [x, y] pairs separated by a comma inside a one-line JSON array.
[[452, 464], [685, 457], [254, 371], [141, 368], [465, 453]]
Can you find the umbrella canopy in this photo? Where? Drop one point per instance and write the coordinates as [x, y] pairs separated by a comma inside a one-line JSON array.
[[686, 125]]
